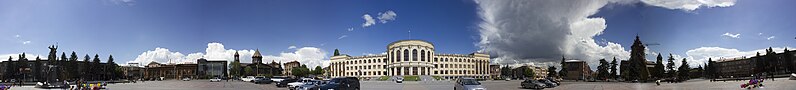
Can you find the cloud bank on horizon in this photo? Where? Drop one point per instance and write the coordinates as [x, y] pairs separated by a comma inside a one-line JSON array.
[[557, 28], [310, 56]]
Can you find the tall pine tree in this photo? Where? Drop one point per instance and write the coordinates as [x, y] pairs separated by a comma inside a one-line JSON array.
[[613, 68], [670, 66], [684, 70]]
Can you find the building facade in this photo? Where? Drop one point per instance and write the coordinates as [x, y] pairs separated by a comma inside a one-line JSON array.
[[211, 68], [539, 72], [156, 70], [494, 71], [577, 70], [289, 67], [258, 67], [411, 57]]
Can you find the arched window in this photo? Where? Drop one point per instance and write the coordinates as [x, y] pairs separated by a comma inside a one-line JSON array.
[[422, 55], [414, 55], [399, 55], [406, 55]]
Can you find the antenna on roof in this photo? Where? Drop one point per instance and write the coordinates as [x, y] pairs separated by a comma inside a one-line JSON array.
[[410, 33]]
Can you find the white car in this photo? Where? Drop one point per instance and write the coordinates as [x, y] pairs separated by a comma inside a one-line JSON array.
[[293, 85], [215, 79], [278, 78], [247, 78], [186, 79], [399, 80]]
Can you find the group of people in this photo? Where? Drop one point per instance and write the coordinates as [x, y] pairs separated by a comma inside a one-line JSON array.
[[754, 82]]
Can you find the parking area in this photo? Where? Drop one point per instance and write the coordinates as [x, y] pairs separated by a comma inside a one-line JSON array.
[[779, 84]]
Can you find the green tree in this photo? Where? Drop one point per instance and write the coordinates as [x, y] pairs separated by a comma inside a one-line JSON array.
[[96, 68], [113, 68], [551, 71], [247, 71], [86, 69], [613, 69], [684, 70], [318, 70], [62, 67], [659, 68], [505, 71], [670, 66], [72, 67], [528, 73], [602, 69], [23, 63], [235, 69], [301, 71], [336, 52]]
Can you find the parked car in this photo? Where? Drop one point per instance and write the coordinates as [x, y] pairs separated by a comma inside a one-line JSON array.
[[508, 79], [259, 80], [278, 78], [343, 83], [399, 80], [792, 76], [186, 79], [293, 85], [466, 83], [284, 82], [216, 79], [312, 85], [548, 83], [247, 78], [554, 81], [532, 84]]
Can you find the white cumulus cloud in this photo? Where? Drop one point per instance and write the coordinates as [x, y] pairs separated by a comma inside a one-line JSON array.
[[310, 56], [369, 21], [350, 29], [387, 16], [291, 47], [699, 56], [731, 35], [689, 5], [214, 51], [539, 32], [556, 28]]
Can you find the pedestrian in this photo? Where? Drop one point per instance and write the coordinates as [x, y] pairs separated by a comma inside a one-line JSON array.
[[658, 82]]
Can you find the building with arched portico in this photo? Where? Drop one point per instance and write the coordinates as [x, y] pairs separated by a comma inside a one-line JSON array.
[[411, 58]]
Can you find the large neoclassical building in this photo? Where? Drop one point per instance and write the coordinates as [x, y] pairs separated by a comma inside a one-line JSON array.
[[411, 57]]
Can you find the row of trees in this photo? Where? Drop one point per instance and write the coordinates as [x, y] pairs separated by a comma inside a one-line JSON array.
[[65, 68], [520, 72], [303, 71]]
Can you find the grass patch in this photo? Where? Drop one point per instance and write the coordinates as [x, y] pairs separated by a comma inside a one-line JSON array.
[[437, 77], [411, 78], [384, 78]]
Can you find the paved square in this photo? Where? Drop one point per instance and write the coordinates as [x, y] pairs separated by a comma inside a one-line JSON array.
[[779, 84]]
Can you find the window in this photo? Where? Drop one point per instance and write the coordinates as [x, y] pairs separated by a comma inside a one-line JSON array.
[[422, 55], [414, 55], [406, 55]]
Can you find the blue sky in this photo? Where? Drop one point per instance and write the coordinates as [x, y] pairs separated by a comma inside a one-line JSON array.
[[130, 29]]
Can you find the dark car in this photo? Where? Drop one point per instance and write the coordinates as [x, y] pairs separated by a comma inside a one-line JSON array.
[[345, 83], [262, 80], [467, 83], [532, 84], [283, 83], [554, 81], [548, 83]]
